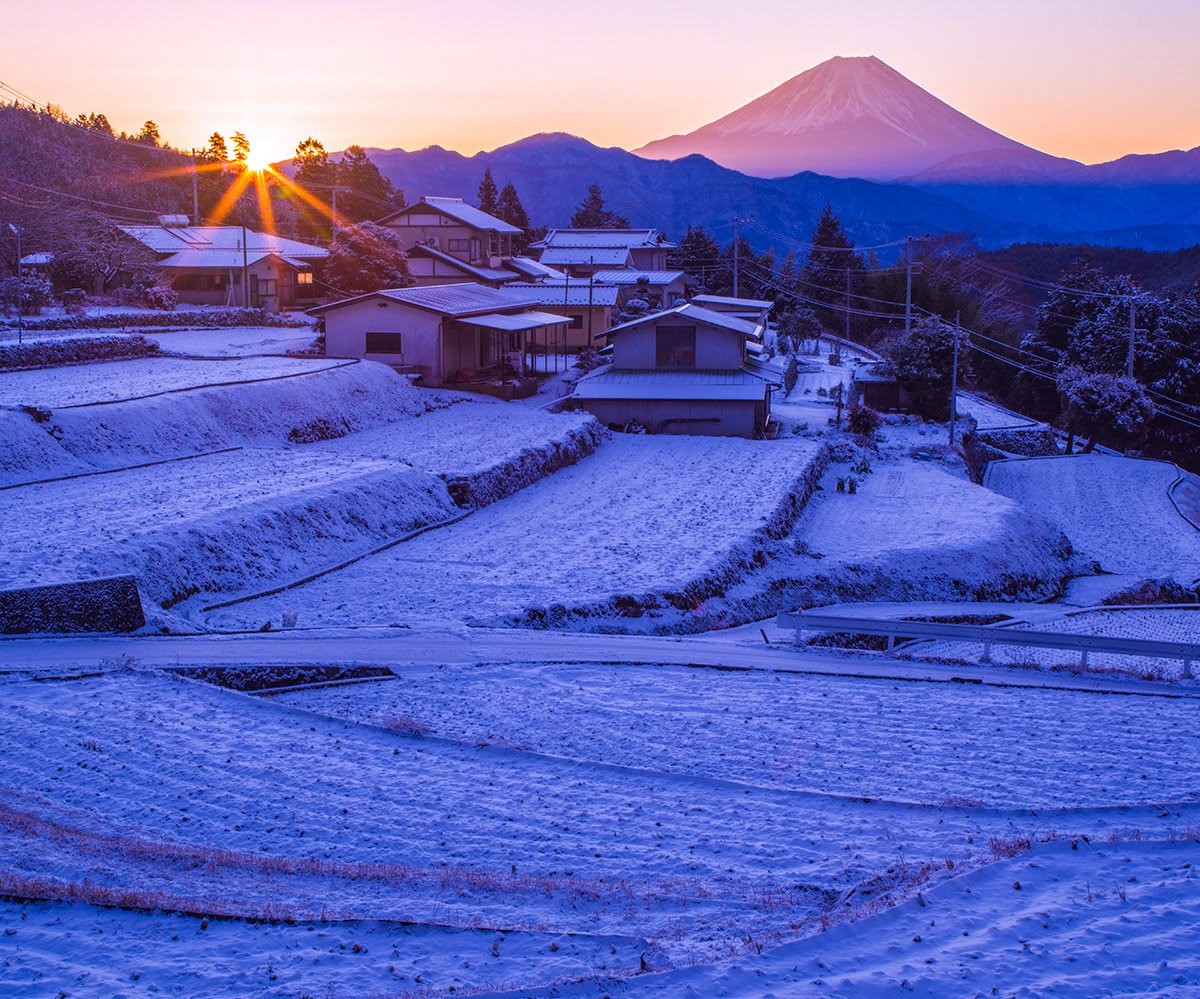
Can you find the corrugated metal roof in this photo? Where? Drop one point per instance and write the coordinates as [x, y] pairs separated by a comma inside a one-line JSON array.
[[483, 273], [171, 239], [457, 209], [579, 256], [692, 386], [748, 303], [698, 314], [654, 278], [201, 259], [533, 268], [574, 293], [517, 322], [37, 259], [600, 238]]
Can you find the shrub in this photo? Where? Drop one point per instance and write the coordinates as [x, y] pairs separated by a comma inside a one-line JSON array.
[[34, 293], [74, 301], [863, 420], [588, 360], [406, 726], [790, 373], [1153, 591], [921, 362], [160, 297], [320, 429], [51, 353]]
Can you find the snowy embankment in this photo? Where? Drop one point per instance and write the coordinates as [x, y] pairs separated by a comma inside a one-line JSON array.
[[580, 841], [645, 529], [913, 530], [1115, 510], [274, 478]]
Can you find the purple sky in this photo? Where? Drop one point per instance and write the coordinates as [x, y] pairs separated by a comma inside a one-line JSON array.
[[1090, 79]]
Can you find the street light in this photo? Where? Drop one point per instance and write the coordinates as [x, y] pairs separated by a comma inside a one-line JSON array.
[[20, 292]]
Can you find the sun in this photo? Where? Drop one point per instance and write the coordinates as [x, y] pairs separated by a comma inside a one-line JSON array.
[[257, 162]]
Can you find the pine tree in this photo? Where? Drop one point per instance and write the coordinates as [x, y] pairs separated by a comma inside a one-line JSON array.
[[148, 136], [509, 209], [317, 176], [824, 275], [216, 149], [699, 255], [241, 147], [487, 193], [365, 193], [593, 214]]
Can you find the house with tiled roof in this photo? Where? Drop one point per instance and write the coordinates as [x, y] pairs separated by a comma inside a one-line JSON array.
[[467, 335], [686, 370], [230, 265], [585, 251], [587, 306]]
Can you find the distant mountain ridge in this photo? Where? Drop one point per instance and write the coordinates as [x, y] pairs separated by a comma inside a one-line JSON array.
[[551, 172]]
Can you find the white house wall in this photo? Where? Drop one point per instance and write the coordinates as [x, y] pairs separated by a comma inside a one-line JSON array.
[[346, 329], [716, 349]]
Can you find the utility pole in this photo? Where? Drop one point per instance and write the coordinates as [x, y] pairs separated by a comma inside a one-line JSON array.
[[736, 247], [195, 189], [1132, 333], [333, 226], [908, 286], [245, 265], [591, 279], [20, 288], [954, 380], [847, 304]]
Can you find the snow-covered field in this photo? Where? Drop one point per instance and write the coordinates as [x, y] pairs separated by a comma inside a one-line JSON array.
[[234, 341], [1115, 510], [85, 384], [580, 841], [640, 519]]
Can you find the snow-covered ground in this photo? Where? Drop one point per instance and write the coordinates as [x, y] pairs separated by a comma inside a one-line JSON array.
[[990, 416], [86, 384], [640, 518], [234, 341], [663, 815], [1115, 510]]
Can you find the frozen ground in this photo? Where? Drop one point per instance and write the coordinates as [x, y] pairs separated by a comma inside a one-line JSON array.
[[990, 416], [689, 842], [640, 517], [234, 341], [1115, 510], [84, 384]]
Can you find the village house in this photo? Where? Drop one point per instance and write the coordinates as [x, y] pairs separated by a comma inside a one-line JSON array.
[[587, 306], [658, 289], [753, 310], [230, 265], [685, 370], [585, 251], [467, 335]]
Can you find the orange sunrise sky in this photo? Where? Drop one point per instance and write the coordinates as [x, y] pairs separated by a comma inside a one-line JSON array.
[[1088, 80]]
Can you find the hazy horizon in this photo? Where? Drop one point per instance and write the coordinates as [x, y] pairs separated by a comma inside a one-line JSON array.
[[1079, 80]]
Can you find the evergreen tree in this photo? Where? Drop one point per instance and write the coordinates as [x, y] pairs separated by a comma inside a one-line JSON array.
[[241, 147], [592, 213], [148, 136], [365, 193], [487, 193], [824, 274], [366, 257], [317, 176], [509, 209], [216, 149]]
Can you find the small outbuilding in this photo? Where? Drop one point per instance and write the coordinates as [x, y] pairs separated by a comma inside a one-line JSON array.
[[685, 370], [467, 335]]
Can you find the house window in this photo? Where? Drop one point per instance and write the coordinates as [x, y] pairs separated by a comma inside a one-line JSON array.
[[266, 287], [576, 322], [304, 277], [675, 346], [459, 245], [476, 249], [384, 343]]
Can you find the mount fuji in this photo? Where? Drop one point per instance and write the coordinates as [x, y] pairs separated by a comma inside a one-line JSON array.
[[853, 117]]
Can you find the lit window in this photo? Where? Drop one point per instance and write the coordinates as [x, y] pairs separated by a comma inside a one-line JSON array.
[[304, 277]]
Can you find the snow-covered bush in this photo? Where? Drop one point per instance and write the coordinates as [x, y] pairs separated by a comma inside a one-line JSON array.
[[74, 300], [1153, 591], [1113, 407], [160, 297], [33, 291], [50, 353], [790, 373], [921, 361], [204, 318], [863, 421]]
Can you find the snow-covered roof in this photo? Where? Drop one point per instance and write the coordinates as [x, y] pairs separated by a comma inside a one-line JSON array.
[[482, 273], [518, 321], [580, 256], [42, 259], [533, 268], [697, 314], [616, 383], [455, 300], [569, 293], [628, 239], [458, 210], [653, 278], [171, 239], [202, 259], [746, 303]]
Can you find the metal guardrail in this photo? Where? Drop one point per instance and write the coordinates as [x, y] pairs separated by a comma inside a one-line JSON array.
[[989, 635]]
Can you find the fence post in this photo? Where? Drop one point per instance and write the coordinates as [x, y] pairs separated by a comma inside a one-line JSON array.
[[987, 651]]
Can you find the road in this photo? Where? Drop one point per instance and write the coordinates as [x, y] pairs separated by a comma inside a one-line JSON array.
[[463, 646]]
